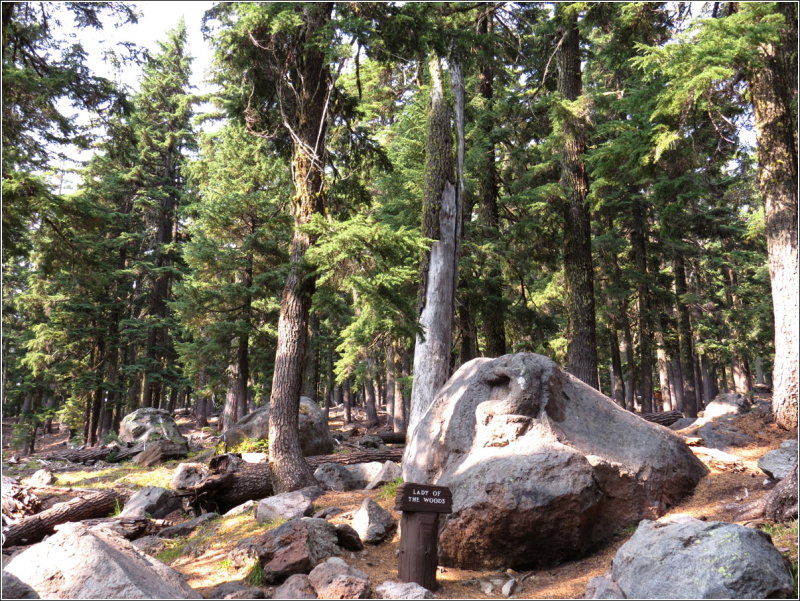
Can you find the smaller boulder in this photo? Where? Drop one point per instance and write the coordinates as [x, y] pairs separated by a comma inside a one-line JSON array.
[[187, 527], [371, 442], [334, 579], [403, 590], [288, 505], [372, 522], [188, 475], [42, 477], [151, 501], [235, 590], [730, 403], [722, 434], [336, 476], [389, 471], [150, 424], [364, 473], [348, 538], [297, 586], [246, 507], [778, 463]]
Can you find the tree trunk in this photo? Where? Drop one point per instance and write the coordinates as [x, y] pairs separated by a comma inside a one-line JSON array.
[[311, 95], [617, 379], [399, 416], [439, 266], [369, 404], [773, 89], [643, 289], [347, 397], [574, 181], [685, 339]]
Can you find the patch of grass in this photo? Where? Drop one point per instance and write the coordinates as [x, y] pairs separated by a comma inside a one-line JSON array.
[[784, 537], [251, 445], [255, 575], [389, 490], [126, 473], [174, 549], [226, 565]]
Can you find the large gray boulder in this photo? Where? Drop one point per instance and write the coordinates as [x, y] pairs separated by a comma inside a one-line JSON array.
[[151, 501], [150, 424], [79, 563], [729, 403], [778, 464], [315, 437], [541, 466], [686, 558]]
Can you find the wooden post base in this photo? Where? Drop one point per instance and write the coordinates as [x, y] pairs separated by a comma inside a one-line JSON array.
[[419, 549]]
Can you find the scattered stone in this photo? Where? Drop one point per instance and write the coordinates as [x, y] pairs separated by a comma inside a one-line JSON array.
[[348, 538], [292, 548], [42, 477], [297, 586], [288, 505], [328, 512], [149, 545], [151, 501], [334, 579], [187, 527], [236, 590], [187, 475], [722, 434], [685, 422], [372, 522], [149, 424], [487, 588], [246, 507], [371, 442], [14, 588], [729, 403], [389, 472], [538, 462], [602, 587], [403, 590], [336, 476], [777, 464], [686, 558], [78, 563], [509, 588], [364, 473], [315, 438]]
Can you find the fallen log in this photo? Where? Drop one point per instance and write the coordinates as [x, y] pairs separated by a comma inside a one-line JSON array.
[[665, 418], [32, 529], [392, 437], [111, 454], [18, 500], [356, 457], [130, 528]]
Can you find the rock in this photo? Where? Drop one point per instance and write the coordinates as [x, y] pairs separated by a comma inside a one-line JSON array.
[[372, 522], [149, 545], [315, 438], [348, 538], [246, 507], [328, 512], [778, 463], [718, 459], [157, 451], [336, 476], [403, 590], [150, 424], [151, 501], [537, 462], [685, 422], [364, 473], [187, 527], [297, 586], [42, 477], [235, 590], [76, 563], [334, 579], [288, 505], [187, 475], [389, 472], [371, 442], [781, 503], [14, 588], [722, 434], [686, 558], [292, 548], [509, 588], [602, 587], [729, 403]]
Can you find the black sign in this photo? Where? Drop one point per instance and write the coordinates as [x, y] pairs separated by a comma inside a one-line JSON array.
[[424, 497]]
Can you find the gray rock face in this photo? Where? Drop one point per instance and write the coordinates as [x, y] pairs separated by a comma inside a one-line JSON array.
[[42, 477], [187, 527], [336, 476], [288, 505], [154, 501], [315, 438], [722, 434], [334, 579], [348, 538], [296, 586], [685, 558], [778, 463], [731, 403], [403, 590], [187, 475], [389, 471], [537, 462], [292, 548], [372, 522], [235, 590], [150, 424], [76, 563]]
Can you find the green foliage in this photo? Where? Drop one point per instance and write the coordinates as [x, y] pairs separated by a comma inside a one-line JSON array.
[[389, 490], [255, 575]]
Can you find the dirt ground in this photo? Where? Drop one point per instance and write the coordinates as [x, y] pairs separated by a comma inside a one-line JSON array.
[[719, 496]]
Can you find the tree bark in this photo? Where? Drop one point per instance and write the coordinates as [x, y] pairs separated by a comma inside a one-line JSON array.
[[773, 89], [685, 339], [643, 289], [437, 289], [574, 181]]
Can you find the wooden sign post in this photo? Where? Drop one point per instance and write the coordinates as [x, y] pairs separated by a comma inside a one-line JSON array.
[[421, 505]]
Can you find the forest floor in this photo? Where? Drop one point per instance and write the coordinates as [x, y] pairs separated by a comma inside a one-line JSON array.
[[202, 557]]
